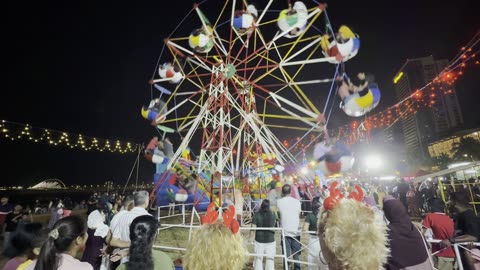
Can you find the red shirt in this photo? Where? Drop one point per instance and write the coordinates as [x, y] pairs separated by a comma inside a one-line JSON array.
[[443, 228]]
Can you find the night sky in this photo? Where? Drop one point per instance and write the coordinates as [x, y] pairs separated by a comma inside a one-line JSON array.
[[84, 66]]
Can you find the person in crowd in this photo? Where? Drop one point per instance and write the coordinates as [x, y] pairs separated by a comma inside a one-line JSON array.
[[37, 207], [67, 206], [115, 226], [370, 202], [122, 230], [81, 205], [274, 194], [466, 224], [412, 205], [106, 208], [97, 232], [64, 246], [11, 222], [92, 203], [408, 249], [289, 210], [143, 231], [310, 225], [36, 244], [99, 235], [56, 213], [201, 253], [442, 228], [402, 189], [5, 208], [117, 205], [351, 235], [19, 247], [264, 239]]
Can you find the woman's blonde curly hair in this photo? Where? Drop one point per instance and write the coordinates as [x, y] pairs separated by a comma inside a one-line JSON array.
[[353, 237], [215, 247]]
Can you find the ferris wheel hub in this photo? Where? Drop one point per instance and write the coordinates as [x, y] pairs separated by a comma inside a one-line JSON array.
[[230, 71]]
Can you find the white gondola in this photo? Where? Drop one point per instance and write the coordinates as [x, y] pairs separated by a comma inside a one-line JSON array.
[[181, 196], [346, 50], [243, 21], [200, 40], [344, 164], [295, 17], [169, 71]]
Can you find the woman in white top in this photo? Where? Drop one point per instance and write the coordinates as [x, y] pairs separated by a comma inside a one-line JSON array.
[[64, 246]]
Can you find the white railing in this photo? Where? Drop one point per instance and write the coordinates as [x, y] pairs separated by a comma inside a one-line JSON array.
[[286, 259], [456, 248]]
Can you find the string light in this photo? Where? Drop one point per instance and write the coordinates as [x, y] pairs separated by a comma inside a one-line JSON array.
[[16, 131]]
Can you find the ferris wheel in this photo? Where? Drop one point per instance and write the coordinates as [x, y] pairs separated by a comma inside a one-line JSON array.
[[236, 80]]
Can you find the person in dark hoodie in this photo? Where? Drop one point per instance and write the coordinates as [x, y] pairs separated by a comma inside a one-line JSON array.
[[408, 250]]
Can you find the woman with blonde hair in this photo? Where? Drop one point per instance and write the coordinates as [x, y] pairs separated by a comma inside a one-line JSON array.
[[352, 236], [216, 245]]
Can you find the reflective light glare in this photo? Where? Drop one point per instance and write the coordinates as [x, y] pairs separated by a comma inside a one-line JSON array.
[[373, 162]]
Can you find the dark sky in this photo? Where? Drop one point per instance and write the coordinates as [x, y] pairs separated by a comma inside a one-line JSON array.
[[84, 66]]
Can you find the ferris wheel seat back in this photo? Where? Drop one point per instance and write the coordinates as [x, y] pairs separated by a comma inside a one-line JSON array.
[[357, 105], [364, 101], [296, 18], [344, 164], [168, 70], [346, 50], [181, 196], [243, 21], [346, 32], [148, 114], [376, 94], [200, 40]]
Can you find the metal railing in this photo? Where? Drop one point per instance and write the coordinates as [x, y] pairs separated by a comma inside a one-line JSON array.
[[286, 259], [456, 248]]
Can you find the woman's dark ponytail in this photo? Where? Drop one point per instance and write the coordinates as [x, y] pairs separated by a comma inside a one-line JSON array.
[[47, 259], [60, 238]]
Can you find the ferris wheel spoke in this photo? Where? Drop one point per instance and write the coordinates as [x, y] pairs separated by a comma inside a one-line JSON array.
[[316, 13], [301, 95], [313, 43], [260, 18]]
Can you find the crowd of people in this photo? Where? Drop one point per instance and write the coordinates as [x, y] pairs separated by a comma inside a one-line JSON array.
[[348, 227]]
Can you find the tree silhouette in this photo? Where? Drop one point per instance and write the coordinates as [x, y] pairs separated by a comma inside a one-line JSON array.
[[442, 161], [466, 149]]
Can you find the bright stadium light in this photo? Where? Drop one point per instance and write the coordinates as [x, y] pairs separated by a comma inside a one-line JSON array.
[[373, 162]]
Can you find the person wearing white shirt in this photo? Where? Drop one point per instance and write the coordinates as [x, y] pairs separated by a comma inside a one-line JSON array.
[[114, 223], [141, 201], [289, 210]]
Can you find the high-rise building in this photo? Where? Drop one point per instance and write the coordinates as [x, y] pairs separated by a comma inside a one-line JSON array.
[[429, 123]]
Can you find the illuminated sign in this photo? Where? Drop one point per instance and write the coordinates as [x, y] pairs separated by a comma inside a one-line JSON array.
[[398, 77]]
